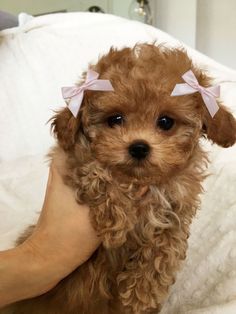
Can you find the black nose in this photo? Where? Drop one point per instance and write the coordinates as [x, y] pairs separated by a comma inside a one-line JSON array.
[[139, 150]]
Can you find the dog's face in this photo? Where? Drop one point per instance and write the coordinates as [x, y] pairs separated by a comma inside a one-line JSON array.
[[140, 130]]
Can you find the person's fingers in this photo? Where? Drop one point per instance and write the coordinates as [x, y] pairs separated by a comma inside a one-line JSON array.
[[54, 177], [49, 183]]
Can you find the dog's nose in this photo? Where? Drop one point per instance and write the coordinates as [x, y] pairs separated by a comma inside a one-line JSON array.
[[139, 150]]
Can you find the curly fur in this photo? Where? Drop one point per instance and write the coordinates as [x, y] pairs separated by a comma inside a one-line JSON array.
[[144, 239]]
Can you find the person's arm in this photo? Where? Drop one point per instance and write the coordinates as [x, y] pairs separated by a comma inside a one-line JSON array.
[[62, 240]]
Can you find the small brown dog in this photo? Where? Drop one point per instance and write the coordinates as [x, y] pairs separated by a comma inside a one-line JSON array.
[[136, 137]]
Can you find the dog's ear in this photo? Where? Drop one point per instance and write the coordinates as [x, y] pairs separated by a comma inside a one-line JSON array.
[[65, 128], [221, 129]]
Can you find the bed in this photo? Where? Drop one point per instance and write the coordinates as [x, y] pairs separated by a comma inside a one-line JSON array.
[[51, 51]]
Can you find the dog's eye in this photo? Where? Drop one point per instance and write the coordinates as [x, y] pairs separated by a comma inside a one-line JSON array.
[[165, 123], [116, 119]]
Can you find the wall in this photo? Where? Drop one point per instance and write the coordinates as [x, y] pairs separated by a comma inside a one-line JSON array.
[[38, 7], [207, 25], [118, 7], [121, 7], [216, 34], [178, 18]]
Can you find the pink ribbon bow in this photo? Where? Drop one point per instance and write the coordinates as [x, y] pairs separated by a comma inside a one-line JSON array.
[[209, 94], [75, 94]]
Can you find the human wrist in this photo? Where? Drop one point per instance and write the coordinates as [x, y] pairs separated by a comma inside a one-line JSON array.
[[46, 265], [51, 259], [20, 275], [26, 272]]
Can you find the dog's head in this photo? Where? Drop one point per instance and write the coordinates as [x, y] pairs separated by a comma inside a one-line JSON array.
[[139, 129]]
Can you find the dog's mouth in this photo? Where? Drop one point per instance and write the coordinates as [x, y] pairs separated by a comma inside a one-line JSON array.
[[140, 169], [136, 169]]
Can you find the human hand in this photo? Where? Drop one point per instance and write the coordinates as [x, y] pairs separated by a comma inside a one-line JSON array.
[[63, 237], [62, 240]]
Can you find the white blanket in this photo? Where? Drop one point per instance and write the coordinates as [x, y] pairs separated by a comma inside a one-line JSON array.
[[48, 52]]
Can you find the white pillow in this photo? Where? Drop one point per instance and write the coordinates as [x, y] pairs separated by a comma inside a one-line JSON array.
[[22, 188]]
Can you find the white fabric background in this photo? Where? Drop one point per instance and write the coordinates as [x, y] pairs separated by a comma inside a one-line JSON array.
[[52, 51]]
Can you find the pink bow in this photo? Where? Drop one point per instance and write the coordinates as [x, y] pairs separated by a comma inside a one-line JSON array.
[[75, 94], [208, 94]]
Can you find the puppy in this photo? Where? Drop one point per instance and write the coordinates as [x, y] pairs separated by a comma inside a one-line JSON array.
[[134, 138]]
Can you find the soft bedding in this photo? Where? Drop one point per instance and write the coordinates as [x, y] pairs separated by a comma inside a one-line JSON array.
[[48, 52]]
